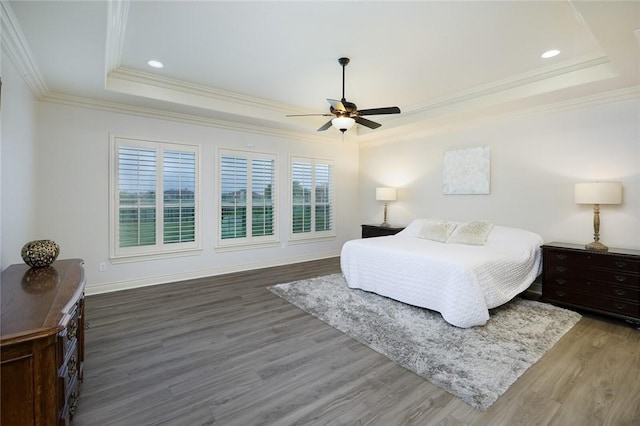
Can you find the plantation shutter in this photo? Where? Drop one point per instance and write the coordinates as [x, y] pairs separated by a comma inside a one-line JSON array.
[[233, 206], [136, 196], [262, 197], [301, 196], [247, 198], [324, 197], [311, 198], [179, 178], [154, 206]]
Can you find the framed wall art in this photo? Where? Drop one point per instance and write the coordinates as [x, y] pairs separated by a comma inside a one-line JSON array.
[[467, 171]]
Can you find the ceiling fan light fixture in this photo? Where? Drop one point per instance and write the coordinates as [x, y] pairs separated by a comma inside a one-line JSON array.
[[343, 123]]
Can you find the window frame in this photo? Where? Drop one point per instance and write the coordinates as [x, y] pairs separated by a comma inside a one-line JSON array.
[[160, 249], [312, 234], [248, 241]]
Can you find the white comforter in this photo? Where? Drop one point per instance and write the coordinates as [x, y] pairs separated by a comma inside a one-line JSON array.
[[462, 282]]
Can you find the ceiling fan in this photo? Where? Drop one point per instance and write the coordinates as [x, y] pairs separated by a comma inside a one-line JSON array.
[[347, 113]]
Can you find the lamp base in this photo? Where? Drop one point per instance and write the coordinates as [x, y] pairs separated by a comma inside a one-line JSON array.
[[385, 224], [596, 245]]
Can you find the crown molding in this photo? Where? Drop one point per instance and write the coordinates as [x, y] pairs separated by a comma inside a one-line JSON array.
[[119, 108], [491, 96], [425, 130], [586, 63], [117, 15], [429, 129], [143, 78], [15, 44]]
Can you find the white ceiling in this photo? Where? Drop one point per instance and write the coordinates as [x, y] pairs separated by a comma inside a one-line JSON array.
[[251, 63]]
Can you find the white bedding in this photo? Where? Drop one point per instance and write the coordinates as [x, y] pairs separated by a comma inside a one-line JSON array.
[[460, 281]]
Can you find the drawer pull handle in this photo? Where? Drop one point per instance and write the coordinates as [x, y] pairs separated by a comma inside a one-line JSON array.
[[74, 402], [561, 281], [619, 291], [620, 278], [561, 268], [73, 329], [72, 367], [561, 293], [620, 263], [620, 306], [561, 256]]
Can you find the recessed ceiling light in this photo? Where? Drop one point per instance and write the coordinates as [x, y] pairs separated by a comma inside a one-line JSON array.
[[155, 64], [550, 54]]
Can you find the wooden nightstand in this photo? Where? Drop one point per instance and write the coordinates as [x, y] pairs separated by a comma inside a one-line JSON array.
[[603, 282], [369, 231]]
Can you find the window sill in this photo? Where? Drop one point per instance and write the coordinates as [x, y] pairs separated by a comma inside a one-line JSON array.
[[245, 246], [154, 256], [307, 240]]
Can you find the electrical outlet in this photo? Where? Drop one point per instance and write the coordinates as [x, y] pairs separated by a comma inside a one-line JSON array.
[[102, 266]]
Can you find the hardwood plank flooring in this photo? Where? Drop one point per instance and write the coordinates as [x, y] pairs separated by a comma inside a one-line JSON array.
[[226, 351]]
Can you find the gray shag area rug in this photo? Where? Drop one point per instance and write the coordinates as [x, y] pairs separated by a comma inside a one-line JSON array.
[[476, 364]]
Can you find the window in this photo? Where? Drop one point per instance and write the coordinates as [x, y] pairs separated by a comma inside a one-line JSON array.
[[247, 198], [143, 222], [311, 198]]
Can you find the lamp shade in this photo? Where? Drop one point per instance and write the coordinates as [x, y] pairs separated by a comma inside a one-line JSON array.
[[343, 123], [598, 193], [385, 194]]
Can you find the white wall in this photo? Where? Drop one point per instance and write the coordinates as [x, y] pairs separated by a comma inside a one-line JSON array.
[[18, 173], [535, 162], [72, 158]]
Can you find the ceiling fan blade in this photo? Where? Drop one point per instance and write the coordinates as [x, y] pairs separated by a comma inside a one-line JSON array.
[[337, 105], [379, 111], [367, 123], [308, 115], [325, 126]]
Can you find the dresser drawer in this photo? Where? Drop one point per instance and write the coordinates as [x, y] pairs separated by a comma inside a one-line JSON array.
[[68, 371], [597, 288], [71, 401], [569, 296], [68, 336], [616, 263], [556, 271]]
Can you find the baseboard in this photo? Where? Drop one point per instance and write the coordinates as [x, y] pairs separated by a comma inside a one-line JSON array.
[[172, 278]]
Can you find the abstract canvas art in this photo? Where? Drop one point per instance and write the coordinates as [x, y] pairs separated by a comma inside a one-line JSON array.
[[467, 171]]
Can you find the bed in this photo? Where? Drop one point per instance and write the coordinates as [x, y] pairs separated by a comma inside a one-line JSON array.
[[446, 266]]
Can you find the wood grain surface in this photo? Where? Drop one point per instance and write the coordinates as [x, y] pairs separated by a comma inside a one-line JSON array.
[[226, 351]]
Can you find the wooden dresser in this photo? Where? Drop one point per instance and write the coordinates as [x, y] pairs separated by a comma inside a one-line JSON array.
[[42, 342], [604, 282], [369, 231]]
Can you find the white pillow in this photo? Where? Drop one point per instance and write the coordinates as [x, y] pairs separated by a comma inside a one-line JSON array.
[[436, 230], [413, 229], [471, 233]]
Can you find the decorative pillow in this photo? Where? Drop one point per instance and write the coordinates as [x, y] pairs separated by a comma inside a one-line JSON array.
[[471, 233], [436, 230]]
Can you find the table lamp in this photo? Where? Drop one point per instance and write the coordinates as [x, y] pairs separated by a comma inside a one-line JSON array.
[[598, 193], [386, 195]]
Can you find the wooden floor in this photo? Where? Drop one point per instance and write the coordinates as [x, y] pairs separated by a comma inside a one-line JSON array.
[[226, 351]]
